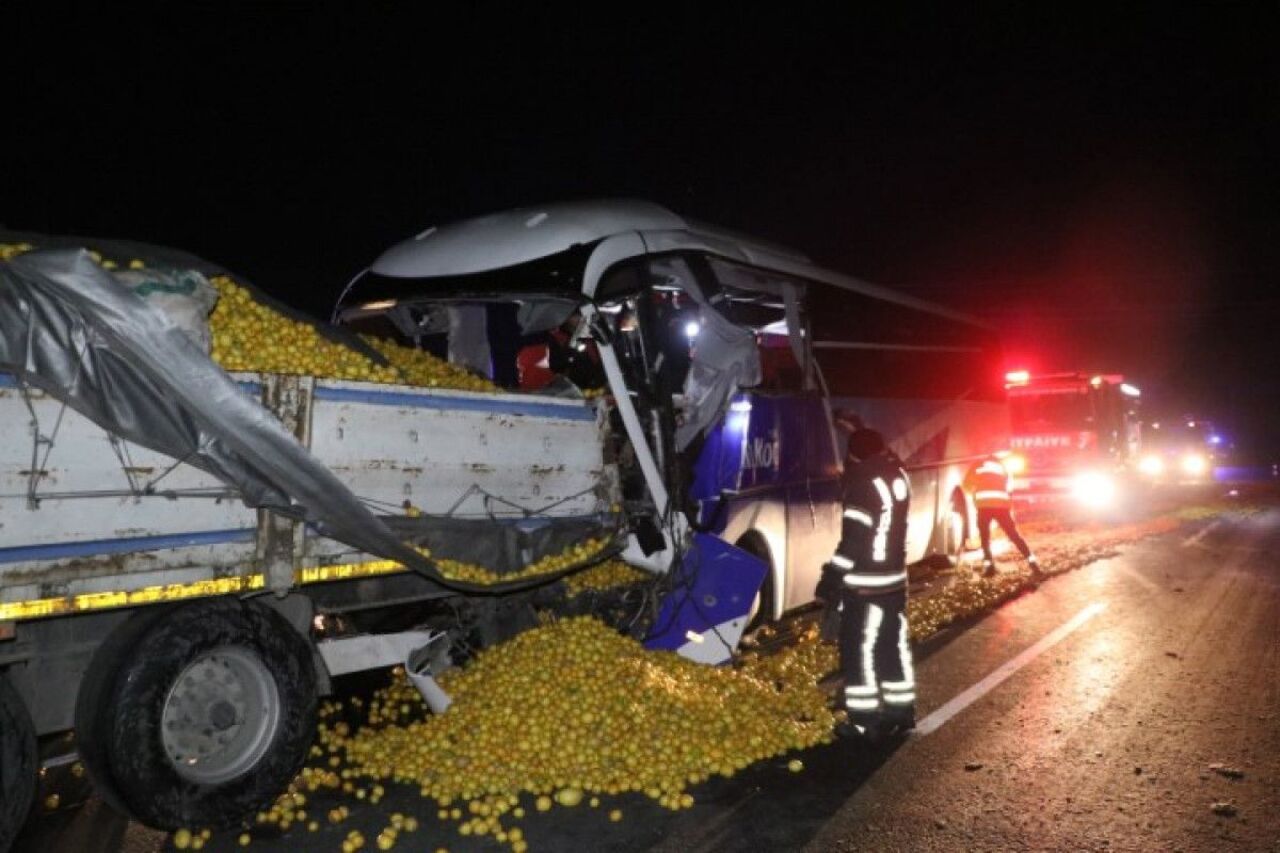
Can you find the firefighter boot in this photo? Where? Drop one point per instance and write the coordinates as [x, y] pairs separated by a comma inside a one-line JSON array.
[[878, 729], [899, 719], [988, 569], [1037, 574], [862, 715], [868, 728]]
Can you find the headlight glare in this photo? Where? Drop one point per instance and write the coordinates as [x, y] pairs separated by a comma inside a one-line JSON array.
[[1094, 489]]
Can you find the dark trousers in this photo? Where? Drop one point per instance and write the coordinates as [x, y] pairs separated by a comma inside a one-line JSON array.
[[1003, 517], [875, 656]]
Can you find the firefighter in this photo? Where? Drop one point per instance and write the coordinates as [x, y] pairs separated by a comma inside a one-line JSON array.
[[988, 482], [867, 575]]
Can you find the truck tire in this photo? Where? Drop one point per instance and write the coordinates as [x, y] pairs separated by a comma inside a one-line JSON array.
[[17, 764], [93, 727], [210, 715]]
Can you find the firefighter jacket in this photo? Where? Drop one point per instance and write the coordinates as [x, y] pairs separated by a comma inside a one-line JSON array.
[[988, 482], [872, 554]]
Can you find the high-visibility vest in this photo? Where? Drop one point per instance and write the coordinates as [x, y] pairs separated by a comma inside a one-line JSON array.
[[988, 481]]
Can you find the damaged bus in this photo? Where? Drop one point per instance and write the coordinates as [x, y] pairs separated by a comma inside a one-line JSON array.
[[724, 358]]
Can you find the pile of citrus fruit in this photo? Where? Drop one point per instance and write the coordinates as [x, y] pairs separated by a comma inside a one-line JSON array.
[[610, 574], [251, 336], [572, 555], [566, 714]]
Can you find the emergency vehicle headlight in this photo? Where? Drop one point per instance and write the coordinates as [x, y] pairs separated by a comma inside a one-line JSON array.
[[1152, 466], [1015, 464], [1194, 465], [1094, 489]]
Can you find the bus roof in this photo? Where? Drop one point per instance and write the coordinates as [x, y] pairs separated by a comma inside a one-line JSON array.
[[509, 238]]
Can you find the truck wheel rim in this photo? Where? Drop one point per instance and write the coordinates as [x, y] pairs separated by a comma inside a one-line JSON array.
[[220, 716]]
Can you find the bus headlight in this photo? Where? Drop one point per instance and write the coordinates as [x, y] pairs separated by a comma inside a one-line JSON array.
[[1195, 465], [1094, 489], [1152, 466]]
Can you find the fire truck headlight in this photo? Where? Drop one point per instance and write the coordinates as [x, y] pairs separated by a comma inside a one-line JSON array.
[[1015, 464], [1152, 466], [1094, 489], [1195, 465]]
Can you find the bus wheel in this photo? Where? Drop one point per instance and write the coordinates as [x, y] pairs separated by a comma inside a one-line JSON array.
[[210, 716], [17, 764], [955, 533], [761, 611]]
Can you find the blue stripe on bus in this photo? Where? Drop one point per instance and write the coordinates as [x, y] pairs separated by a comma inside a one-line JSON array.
[[422, 401], [103, 547]]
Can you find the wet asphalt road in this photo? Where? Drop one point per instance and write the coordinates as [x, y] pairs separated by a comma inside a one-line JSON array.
[[1124, 683], [1104, 741]]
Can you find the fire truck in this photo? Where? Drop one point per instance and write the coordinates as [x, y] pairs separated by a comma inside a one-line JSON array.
[[1075, 436]]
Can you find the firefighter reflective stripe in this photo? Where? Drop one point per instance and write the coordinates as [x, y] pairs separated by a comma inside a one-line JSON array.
[[842, 562], [886, 499], [990, 495], [992, 468], [904, 652], [871, 630], [861, 697], [902, 692], [859, 516], [880, 545], [874, 580], [900, 488]]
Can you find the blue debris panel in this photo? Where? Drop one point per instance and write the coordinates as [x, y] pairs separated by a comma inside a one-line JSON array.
[[704, 615]]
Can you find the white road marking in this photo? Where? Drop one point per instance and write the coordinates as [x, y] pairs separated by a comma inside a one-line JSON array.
[[939, 718], [1195, 538]]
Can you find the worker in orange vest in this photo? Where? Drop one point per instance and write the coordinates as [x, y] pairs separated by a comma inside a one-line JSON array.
[[988, 482]]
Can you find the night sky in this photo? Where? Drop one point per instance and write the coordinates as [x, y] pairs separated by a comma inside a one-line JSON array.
[[1103, 186]]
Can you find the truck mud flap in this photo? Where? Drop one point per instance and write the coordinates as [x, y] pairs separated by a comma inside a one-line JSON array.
[[714, 585]]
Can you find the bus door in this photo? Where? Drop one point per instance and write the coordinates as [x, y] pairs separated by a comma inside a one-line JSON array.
[[813, 493]]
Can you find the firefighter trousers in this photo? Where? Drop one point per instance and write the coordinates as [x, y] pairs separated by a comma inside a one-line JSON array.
[[1003, 517], [875, 656]]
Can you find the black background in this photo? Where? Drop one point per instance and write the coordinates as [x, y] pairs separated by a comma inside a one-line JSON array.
[[1102, 184]]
